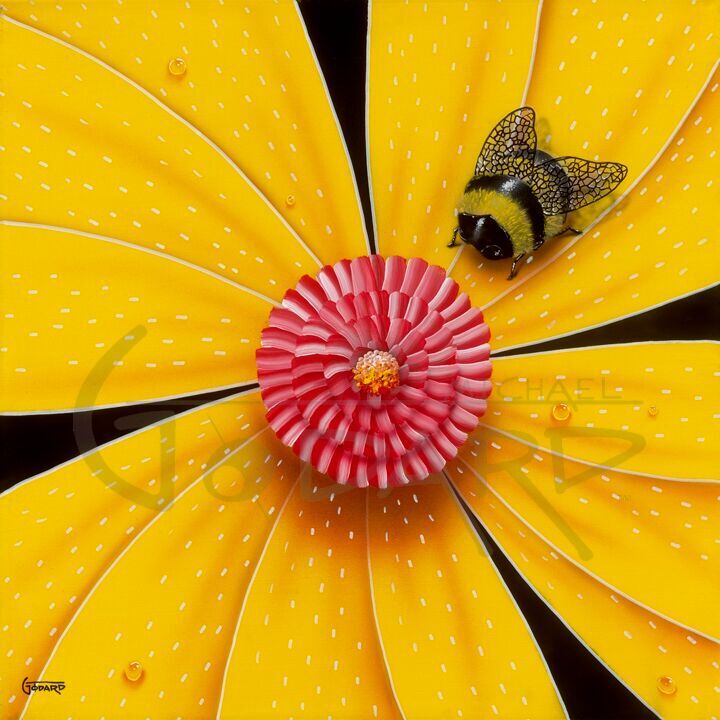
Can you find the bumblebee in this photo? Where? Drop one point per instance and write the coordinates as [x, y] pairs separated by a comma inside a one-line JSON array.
[[519, 196]]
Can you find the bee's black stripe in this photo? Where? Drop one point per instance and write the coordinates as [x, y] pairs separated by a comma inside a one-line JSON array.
[[520, 193]]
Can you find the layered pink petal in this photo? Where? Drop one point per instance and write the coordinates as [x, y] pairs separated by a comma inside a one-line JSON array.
[[407, 308]]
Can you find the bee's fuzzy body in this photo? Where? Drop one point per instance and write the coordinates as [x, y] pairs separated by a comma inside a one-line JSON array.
[[513, 216]]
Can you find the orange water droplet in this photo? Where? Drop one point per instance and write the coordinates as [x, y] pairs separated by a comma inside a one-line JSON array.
[[561, 412], [290, 200], [134, 671], [653, 411], [177, 66], [666, 685]]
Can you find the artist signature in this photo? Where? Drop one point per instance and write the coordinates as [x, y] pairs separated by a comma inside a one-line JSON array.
[[31, 686]]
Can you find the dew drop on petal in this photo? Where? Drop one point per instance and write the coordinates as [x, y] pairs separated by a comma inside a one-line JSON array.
[[666, 685], [134, 671], [561, 412], [177, 66]]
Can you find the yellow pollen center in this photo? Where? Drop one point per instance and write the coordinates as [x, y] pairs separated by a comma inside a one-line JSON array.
[[376, 372]]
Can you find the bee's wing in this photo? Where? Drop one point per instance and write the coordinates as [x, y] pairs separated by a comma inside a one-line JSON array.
[[569, 183], [510, 147]]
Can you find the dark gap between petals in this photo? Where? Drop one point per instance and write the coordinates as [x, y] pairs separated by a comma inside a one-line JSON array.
[[34, 443], [338, 32], [696, 317], [589, 691]]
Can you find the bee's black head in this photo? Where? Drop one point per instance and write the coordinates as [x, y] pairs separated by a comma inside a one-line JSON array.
[[485, 234]]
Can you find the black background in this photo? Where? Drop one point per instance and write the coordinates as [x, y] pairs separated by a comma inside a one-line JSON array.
[[31, 444]]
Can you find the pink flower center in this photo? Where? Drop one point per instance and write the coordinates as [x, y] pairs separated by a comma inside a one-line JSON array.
[[375, 371]]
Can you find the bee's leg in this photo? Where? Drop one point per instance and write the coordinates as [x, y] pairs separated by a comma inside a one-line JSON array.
[[453, 242], [572, 230], [513, 269]]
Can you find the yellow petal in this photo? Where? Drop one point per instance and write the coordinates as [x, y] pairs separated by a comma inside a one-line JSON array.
[[631, 532], [647, 408], [612, 81], [657, 244], [440, 76], [637, 645], [251, 84], [455, 641], [93, 151], [89, 321], [306, 643], [170, 601], [80, 541]]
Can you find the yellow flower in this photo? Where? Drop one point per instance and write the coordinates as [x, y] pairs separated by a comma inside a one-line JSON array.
[[169, 170]]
